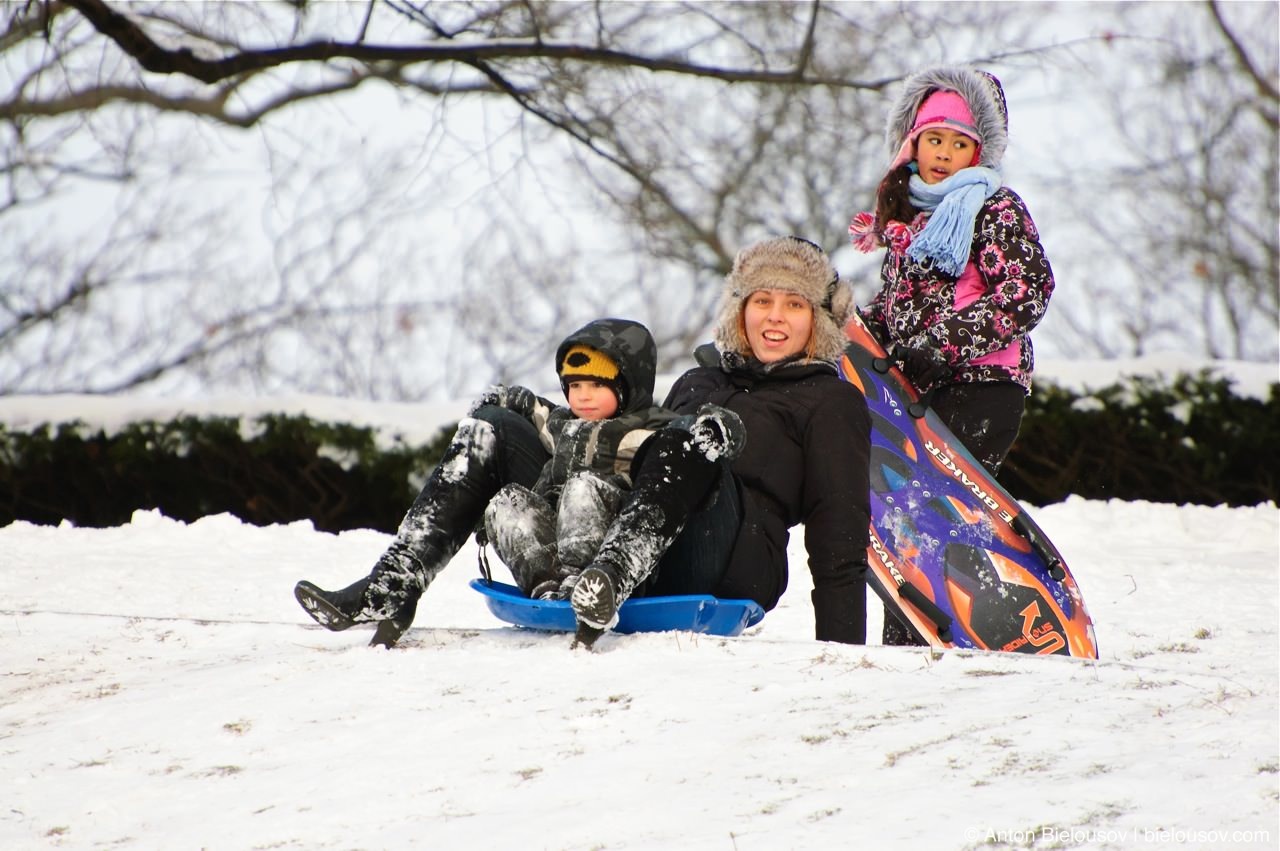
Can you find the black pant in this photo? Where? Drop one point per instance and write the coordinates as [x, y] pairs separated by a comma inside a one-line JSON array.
[[493, 448], [985, 417], [675, 531], [698, 557]]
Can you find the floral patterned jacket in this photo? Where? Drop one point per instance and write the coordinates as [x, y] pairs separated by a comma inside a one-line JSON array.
[[979, 320]]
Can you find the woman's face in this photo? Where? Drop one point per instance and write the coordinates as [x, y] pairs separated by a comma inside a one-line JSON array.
[[778, 324]]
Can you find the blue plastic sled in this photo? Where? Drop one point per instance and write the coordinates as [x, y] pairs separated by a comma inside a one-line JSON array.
[[694, 613]]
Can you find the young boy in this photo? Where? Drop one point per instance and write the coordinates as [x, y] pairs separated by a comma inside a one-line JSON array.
[[548, 534]]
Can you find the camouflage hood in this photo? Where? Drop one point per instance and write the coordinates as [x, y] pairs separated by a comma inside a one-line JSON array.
[[629, 345]]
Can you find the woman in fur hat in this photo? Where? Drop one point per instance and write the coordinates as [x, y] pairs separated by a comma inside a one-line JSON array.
[[964, 279], [695, 525]]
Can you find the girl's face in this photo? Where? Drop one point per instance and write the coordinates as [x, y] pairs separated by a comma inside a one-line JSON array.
[[591, 400], [778, 324], [940, 153]]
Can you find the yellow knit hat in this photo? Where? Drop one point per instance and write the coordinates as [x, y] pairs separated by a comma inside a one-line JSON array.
[[583, 362]]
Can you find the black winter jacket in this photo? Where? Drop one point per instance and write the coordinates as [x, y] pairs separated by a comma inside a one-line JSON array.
[[805, 461]]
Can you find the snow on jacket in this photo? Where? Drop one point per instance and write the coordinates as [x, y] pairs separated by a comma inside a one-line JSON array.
[[605, 447], [981, 319], [805, 461]]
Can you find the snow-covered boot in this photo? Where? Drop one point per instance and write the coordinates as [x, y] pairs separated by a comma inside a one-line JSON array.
[[895, 633], [595, 602], [588, 505], [522, 528], [433, 530]]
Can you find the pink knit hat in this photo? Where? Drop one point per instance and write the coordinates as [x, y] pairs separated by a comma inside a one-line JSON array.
[[943, 108]]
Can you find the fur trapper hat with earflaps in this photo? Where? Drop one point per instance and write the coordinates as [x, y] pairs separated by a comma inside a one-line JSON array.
[[793, 265]]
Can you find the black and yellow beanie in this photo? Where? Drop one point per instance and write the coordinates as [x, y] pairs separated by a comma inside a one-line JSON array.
[[583, 362]]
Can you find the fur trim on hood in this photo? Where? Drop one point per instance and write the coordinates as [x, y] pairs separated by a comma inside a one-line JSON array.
[[980, 90], [794, 265]]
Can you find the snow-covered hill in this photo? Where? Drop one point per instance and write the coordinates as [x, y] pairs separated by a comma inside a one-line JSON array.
[[161, 689]]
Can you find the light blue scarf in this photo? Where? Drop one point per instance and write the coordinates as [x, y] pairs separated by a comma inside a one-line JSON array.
[[955, 203]]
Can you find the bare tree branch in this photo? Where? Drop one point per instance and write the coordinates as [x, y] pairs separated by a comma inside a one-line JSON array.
[[131, 38], [1265, 86], [529, 165]]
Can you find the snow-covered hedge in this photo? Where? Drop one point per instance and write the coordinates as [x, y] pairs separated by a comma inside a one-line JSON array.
[[1185, 440], [1189, 440], [266, 469]]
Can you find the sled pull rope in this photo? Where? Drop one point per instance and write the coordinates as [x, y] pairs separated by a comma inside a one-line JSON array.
[[1052, 561], [482, 556], [916, 597]]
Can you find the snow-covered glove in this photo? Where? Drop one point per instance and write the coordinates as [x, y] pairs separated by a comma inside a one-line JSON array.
[[514, 398], [718, 432], [923, 364]]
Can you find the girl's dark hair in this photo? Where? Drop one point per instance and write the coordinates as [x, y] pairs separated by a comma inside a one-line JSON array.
[[893, 202]]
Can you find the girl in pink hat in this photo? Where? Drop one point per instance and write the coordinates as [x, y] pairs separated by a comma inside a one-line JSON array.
[[964, 279]]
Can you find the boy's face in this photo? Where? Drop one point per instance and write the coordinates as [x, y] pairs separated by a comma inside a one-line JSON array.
[[591, 400]]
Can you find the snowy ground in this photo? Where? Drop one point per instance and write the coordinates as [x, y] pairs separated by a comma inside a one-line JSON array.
[[161, 689]]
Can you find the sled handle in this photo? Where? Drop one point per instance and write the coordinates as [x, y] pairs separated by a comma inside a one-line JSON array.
[[920, 407], [916, 409], [941, 620], [1053, 562]]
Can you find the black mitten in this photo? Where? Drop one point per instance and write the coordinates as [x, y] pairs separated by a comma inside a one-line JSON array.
[[520, 399], [923, 364], [493, 396], [514, 398], [718, 431]]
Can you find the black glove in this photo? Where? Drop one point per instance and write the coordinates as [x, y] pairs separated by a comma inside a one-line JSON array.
[[514, 398], [520, 399], [493, 396], [719, 432], [923, 365]]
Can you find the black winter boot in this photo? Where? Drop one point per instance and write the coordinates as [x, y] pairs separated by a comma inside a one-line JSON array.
[[334, 610], [389, 630], [595, 602], [897, 634], [396, 599]]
